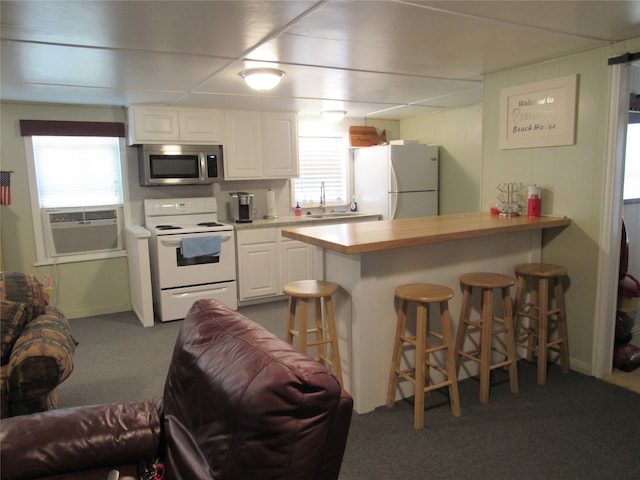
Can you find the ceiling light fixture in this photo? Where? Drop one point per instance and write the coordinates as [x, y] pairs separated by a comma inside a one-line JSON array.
[[262, 79], [333, 115]]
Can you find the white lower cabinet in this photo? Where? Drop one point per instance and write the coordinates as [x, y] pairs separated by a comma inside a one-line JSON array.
[[296, 261], [266, 261]]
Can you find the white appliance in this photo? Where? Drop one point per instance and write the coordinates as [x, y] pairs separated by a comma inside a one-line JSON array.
[[180, 278], [397, 181]]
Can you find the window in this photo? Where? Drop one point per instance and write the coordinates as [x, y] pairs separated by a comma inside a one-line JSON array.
[[77, 171], [77, 195], [632, 163], [322, 159]]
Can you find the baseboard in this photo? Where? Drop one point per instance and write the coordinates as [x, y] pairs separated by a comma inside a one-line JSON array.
[[580, 366], [93, 311]]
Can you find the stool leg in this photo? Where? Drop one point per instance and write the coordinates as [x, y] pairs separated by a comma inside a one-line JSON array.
[[450, 358], [510, 340], [420, 374], [562, 326], [335, 350], [319, 330], [543, 321], [304, 315], [397, 352], [485, 343], [518, 320], [291, 324], [534, 320], [465, 310]]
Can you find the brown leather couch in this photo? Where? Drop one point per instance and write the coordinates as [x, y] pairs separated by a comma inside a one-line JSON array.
[[239, 403]]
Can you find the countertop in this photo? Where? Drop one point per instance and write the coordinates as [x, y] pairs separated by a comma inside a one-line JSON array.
[[361, 237], [306, 220]]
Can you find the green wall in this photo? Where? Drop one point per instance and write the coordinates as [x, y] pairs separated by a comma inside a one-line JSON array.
[[572, 177], [80, 289], [459, 134]]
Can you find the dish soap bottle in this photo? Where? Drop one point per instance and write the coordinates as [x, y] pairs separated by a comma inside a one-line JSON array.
[[298, 210], [353, 206]]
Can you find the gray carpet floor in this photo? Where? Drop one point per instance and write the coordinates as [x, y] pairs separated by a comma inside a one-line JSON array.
[[574, 427]]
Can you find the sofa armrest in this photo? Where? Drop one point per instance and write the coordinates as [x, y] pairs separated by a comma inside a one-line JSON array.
[[80, 438], [41, 358], [336, 442]]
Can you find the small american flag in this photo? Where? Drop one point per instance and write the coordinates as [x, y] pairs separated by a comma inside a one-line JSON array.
[[5, 188]]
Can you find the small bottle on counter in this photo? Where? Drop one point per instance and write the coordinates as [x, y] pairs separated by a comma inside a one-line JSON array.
[[353, 206], [298, 210]]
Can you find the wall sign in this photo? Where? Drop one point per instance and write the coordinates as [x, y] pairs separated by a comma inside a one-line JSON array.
[[540, 114]]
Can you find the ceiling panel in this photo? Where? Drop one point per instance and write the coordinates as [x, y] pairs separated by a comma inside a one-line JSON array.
[[381, 59], [125, 69], [402, 38], [599, 20], [216, 28], [337, 84]]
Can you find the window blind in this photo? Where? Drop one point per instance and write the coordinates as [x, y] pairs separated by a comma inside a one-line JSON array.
[[322, 159], [77, 171]]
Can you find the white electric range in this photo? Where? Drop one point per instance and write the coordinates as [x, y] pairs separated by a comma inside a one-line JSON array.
[[179, 278]]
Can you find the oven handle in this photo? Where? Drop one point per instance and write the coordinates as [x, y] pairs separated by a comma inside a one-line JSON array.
[[197, 292], [174, 241]]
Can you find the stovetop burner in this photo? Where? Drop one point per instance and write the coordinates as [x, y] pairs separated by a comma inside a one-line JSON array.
[[168, 227], [210, 224]]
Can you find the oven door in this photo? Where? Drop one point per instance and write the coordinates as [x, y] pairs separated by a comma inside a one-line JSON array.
[[174, 270], [176, 302]]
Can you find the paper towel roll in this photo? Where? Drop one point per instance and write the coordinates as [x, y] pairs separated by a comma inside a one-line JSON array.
[[271, 204]]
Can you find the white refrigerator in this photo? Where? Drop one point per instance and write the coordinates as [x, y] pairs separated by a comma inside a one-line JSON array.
[[397, 181]]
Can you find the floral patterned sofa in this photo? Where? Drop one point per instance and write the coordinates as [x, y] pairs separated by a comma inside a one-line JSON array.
[[37, 346]]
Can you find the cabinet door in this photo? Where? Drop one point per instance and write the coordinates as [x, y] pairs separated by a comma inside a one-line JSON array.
[[243, 153], [296, 262], [202, 126], [280, 144], [258, 274], [153, 125]]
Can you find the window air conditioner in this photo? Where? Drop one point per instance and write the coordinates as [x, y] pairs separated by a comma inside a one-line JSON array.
[[73, 231]]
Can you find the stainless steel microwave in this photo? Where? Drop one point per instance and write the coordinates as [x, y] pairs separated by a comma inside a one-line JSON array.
[[179, 164]]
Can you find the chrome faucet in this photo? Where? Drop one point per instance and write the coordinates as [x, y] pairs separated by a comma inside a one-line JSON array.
[[323, 200]]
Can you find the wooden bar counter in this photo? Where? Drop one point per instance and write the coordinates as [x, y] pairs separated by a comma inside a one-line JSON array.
[[370, 259]]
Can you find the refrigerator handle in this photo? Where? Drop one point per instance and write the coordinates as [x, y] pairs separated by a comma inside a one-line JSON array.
[[393, 197], [393, 187]]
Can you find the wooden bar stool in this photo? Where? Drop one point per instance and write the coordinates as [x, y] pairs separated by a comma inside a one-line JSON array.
[[324, 328], [484, 348], [424, 294], [535, 335]]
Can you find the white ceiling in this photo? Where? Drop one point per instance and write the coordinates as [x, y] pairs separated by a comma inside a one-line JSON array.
[[379, 59]]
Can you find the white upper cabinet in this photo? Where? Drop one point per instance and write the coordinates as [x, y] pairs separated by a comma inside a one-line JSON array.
[[260, 145], [156, 124], [202, 126], [243, 150], [280, 144]]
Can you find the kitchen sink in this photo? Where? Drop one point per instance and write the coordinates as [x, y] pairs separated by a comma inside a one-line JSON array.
[[332, 215]]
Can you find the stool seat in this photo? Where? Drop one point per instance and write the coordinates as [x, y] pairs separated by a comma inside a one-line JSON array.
[[310, 288], [483, 347], [424, 294], [547, 270], [324, 329], [533, 318], [487, 280]]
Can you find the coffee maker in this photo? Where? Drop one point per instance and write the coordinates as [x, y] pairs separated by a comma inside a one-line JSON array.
[[241, 207]]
